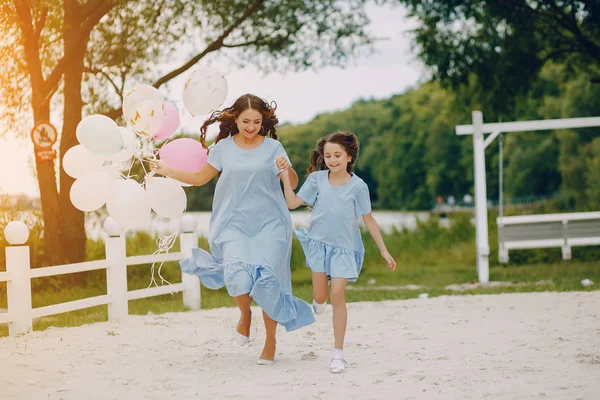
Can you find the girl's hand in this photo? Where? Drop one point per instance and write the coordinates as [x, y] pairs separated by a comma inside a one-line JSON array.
[[159, 167], [281, 163], [390, 261]]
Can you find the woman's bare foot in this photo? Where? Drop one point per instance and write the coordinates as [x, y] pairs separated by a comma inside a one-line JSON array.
[[268, 353]]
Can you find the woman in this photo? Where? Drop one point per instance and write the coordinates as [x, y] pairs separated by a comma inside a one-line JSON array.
[[250, 230]]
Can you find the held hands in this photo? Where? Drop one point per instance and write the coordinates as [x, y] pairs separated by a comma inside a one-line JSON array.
[[390, 261], [282, 164]]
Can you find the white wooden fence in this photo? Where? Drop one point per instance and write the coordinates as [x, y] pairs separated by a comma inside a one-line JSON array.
[[547, 230], [18, 276]]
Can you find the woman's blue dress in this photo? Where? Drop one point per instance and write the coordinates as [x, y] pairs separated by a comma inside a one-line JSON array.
[[250, 234]]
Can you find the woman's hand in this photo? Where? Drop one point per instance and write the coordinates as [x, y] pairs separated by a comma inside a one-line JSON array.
[[282, 163], [390, 260], [159, 167]]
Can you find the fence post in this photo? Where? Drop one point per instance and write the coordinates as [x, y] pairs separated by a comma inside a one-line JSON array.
[[481, 221], [116, 273], [565, 248], [18, 288], [502, 251], [188, 239]]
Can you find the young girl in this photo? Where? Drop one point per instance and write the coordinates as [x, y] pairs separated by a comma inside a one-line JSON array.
[[333, 245]]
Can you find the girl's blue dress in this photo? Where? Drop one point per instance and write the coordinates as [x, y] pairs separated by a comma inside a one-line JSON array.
[[333, 244], [250, 233]]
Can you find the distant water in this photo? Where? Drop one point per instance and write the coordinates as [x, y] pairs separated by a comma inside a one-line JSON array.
[[387, 220]]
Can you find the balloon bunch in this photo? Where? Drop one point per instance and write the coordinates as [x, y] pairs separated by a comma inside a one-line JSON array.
[[103, 160]]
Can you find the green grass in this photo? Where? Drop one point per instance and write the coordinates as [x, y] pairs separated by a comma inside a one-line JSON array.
[[431, 256]]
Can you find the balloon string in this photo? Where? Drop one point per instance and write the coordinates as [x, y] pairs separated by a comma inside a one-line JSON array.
[[144, 168], [165, 243], [130, 167]]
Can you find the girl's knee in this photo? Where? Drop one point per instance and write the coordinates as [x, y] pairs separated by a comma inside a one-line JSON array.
[[320, 297], [338, 297]]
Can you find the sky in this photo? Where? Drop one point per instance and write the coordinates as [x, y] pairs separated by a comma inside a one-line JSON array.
[[300, 96]]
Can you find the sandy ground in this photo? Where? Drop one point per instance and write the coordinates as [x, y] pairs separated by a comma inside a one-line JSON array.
[[512, 346]]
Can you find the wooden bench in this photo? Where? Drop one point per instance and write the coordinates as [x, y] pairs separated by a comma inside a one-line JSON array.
[[547, 230]]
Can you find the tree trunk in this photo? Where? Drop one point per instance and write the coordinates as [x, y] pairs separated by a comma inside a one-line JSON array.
[[48, 196], [73, 229], [41, 112]]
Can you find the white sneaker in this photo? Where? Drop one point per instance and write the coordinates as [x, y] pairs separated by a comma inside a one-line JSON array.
[[319, 308], [338, 365]]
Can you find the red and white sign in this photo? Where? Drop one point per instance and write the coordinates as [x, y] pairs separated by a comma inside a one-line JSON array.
[[44, 135]]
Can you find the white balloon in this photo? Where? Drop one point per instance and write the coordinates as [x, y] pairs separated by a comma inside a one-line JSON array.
[[99, 134], [129, 143], [182, 184], [149, 117], [78, 161], [204, 91], [128, 204], [136, 95], [16, 233], [111, 170], [166, 197], [144, 109], [91, 191]]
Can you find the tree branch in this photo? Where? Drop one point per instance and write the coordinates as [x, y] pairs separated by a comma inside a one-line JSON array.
[[565, 21], [32, 53], [256, 42], [95, 12], [571, 24], [556, 53], [214, 46], [261, 41], [104, 74], [40, 24]]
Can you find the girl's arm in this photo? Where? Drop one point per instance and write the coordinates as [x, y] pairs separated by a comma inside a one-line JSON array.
[[282, 164], [291, 199], [198, 178], [373, 229]]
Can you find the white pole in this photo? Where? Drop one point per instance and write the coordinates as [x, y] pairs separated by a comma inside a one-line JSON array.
[[116, 275], [18, 289], [188, 240], [501, 176], [483, 248]]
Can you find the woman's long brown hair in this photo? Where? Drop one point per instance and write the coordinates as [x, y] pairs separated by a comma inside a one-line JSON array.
[[227, 116]]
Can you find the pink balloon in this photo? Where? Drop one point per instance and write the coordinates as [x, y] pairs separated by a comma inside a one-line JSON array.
[[184, 154], [170, 123]]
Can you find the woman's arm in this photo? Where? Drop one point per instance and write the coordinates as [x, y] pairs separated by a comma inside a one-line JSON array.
[[291, 199], [373, 229], [199, 178], [293, 176]]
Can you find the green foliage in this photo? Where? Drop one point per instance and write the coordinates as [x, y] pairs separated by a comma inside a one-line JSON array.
[[410, 153], [503, 45]]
